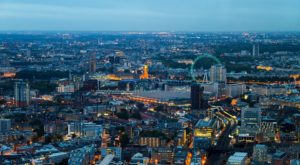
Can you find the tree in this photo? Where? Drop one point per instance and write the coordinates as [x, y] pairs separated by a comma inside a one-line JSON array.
[[123, 114], [136, 115], [124, 140]]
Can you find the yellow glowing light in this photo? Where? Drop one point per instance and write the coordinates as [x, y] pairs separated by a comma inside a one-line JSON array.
[[266, 68]]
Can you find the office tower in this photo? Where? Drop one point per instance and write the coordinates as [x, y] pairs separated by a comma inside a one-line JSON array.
[[145, 74], [218, 73], [93, 64], [255, 50], [251, 117], [197, 100], [5, 125], [22, 94], [250, 123], [260, 153]]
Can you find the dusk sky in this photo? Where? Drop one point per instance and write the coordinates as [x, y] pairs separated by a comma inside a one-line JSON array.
[[150, 15]]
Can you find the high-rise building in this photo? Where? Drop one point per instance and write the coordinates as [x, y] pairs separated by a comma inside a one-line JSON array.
[[5, 125], [255, 50], [217, 73], [22, 94], [250, 123], [93, 64], [260, 153], [197, 98]]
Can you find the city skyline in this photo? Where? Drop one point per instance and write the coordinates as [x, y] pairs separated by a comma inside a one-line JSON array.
[[133, 15]]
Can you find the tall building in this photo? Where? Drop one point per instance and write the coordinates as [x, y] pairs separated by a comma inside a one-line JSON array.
[[260, 153], [22, 94], [5, 125], [255, 50], [93, 64], [217, 73], [197, 98], [250, 123]]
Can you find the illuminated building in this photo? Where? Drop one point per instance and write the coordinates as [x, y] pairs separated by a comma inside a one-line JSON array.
[[152, 141], [268, 127], [69, 88], [22, 94], [204, 133], [260, 152], [145, 74], [90, 130], [217, 73], [250, 123], [161, 155]]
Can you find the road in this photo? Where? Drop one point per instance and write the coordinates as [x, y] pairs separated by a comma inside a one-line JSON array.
[[217, 155]]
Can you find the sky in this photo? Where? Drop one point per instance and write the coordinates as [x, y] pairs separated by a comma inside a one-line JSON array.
[[150, 15]]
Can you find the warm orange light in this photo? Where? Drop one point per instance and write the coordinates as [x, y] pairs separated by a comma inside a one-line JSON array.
[[9, 74], [234, 102], [145, 74]]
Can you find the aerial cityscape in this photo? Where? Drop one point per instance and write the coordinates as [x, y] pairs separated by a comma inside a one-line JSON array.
[[147, 96]]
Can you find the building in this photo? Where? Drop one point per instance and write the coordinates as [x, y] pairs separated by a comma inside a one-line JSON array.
[[22, 94], [260, 153], [204, 133], [82, 156], [197, 99], [115, 151], [279, 158], [238, 158], [162, 156], [234, 90], [127, 85], [268, 127], [5, 125], [217, 73], [89, 130], [255, 50], [250, 123], [152, 141], [139, 159], [93, 64]]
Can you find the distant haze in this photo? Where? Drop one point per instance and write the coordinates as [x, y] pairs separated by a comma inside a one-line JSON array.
[[150, 15]]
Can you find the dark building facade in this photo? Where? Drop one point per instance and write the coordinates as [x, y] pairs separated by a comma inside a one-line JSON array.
[[197, 99]]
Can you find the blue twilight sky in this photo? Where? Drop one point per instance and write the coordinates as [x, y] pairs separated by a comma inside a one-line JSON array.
[[150, 15]]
